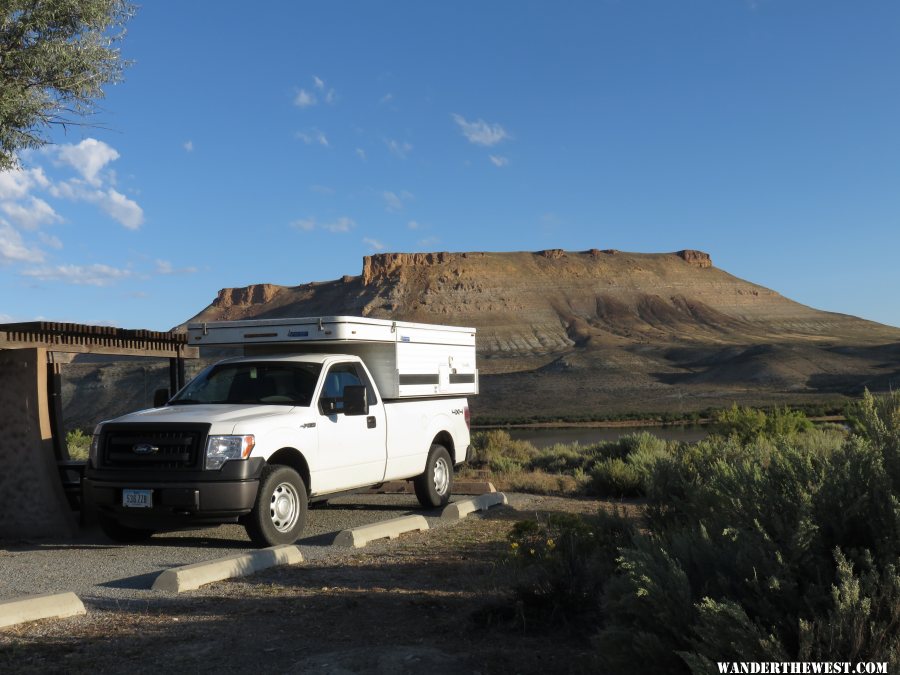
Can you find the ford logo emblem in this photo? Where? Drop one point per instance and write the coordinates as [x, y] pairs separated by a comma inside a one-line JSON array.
[[144, 449]]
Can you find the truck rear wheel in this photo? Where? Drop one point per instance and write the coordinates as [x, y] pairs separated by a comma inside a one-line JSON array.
[[434, 486], [122, 533], [279, 513]]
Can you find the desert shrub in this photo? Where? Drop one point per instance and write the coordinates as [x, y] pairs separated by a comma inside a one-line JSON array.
[[642, 441], [560, 458], [643, 458], [78, 444], [615, 478], [749, 423], [629, 465], [878, 419], [500, 464], [861, 623], [496, 450], [786, 422], [745, 423], [560, 562], [540, 482], [825, 439]]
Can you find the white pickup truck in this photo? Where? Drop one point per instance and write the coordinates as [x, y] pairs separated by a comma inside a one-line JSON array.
[[254, 439]]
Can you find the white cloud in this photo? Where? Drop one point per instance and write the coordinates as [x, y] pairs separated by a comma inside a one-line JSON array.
[[319, 82], [480, 132], [166, 268], [90, 275], [361, 154], [497, 160], [395, 202], [387, 98], [306, 224], [88, 157], [413, 225], [428, 242], [313, 136], [13, 249], [119, 207], [31, 217], [50, 240], [188, 146], [398, 148], [330, 97], [305, 99], [374, 244], [342, 224], [17, 183]]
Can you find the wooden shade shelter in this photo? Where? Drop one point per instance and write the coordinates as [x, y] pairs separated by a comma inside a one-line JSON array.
[[33, 501]]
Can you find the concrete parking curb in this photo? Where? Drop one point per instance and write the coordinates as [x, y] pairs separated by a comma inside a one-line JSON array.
[[192, 577], [459, 510], [34, 607], [393, 528], [473, 487]]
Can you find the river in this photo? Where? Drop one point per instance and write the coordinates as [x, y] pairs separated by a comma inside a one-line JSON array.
[[543, 438]]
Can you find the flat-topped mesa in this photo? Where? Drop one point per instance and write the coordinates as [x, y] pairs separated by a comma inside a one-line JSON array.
[[382, 265], [255, 294], [695, 258]]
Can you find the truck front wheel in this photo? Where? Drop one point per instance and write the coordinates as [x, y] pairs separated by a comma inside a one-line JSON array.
[[279, 514], [434, 486]]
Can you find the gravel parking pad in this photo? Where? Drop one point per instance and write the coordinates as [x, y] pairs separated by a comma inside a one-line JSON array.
[[101, 571]]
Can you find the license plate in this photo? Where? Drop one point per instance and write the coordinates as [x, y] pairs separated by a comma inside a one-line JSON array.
[[137, 499]]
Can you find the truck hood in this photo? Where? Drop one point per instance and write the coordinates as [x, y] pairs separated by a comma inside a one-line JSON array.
[[220, 416]]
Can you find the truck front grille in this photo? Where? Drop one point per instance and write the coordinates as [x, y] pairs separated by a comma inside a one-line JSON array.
[[163, 446]]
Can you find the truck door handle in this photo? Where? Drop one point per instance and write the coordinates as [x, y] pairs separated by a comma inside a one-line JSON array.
[[370, 422]]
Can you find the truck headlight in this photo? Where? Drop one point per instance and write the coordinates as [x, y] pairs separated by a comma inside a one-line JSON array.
[[220, 449]]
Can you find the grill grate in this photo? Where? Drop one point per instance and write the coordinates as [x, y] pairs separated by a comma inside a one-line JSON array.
[[158, 448]]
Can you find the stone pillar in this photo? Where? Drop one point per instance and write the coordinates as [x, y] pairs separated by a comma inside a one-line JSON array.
[[32, 501]]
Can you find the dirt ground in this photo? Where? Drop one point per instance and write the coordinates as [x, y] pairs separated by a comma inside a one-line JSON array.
[[438, 602]]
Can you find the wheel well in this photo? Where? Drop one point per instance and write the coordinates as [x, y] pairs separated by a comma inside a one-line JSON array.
[[444, 438], [292, 458]]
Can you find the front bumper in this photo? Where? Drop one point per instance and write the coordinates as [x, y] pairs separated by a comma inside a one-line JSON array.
[[179, 500]]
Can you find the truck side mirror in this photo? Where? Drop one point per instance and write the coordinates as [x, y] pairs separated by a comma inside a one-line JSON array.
[[356, 401], [160, 398]]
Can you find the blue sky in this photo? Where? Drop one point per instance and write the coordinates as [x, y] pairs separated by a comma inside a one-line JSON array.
[[282, 144]]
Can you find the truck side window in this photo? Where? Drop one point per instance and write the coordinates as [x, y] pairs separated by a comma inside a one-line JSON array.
[[339, 376]]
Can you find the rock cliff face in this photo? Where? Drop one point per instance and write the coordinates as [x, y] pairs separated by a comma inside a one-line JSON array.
[[660, 325], [257, 294]]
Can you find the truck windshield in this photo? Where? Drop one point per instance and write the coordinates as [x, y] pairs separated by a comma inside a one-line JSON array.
[[261, 383]]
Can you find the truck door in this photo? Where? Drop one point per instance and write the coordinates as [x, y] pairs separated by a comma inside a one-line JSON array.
[[352, 449]]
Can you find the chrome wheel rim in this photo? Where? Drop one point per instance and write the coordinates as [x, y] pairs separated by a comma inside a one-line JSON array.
[[441, 476], [284, 507]]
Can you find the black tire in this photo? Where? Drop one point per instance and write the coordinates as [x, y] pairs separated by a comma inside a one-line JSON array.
[[122, 533], [435, 485], [279, 513]]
